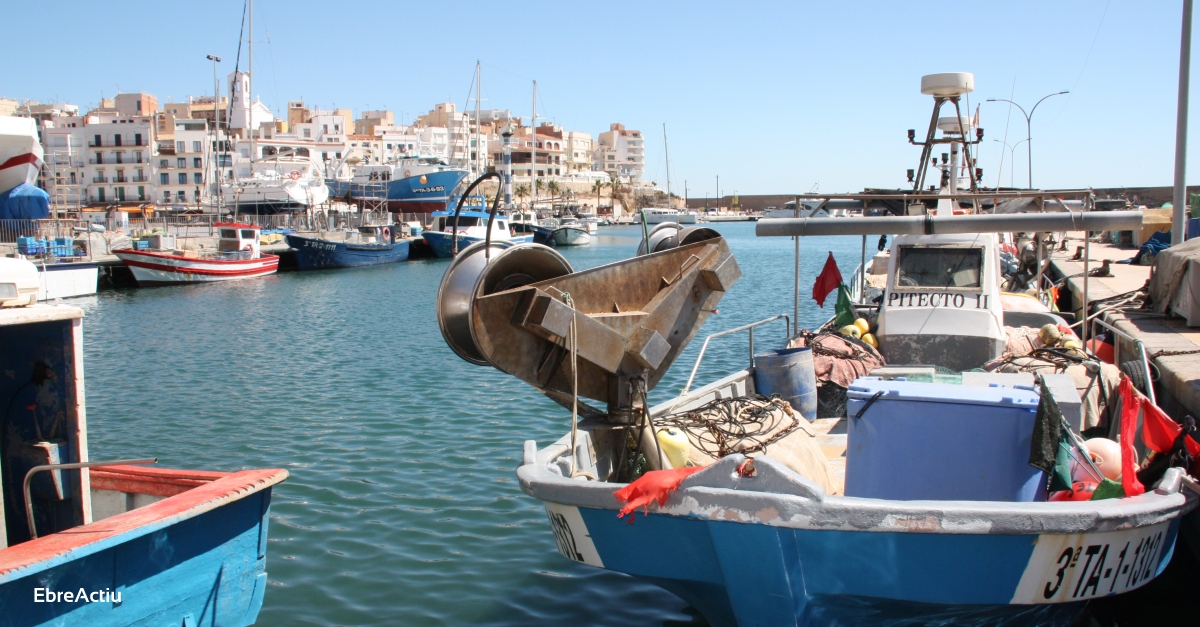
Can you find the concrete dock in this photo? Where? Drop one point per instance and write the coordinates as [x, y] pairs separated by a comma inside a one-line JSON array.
[[1178, 384]]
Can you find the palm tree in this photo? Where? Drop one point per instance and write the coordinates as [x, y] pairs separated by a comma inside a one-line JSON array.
[[553, 188], [598, 186], [521, 191]]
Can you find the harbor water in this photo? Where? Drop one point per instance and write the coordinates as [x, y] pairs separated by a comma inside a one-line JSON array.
[[403, 505]]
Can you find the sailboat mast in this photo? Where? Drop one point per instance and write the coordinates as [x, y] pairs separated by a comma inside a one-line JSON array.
[[478, 123], [667, 152], [248, 97], [533, 151]]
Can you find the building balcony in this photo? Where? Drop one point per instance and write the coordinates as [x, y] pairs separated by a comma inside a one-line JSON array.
[[97, 160], [100, 179], [138, 179], [111, 143]]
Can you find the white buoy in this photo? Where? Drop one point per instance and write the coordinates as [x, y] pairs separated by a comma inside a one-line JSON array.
[[948, 84]]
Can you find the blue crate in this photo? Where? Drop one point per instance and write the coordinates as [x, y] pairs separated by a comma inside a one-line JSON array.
[[937, 441], [141, 244]]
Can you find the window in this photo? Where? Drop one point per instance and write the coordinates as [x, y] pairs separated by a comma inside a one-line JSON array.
[[180, 146], [162, 163], [307, 132], [164, 179], [195, 146], [181, 162], [117, 139], [100, 194], [228, 233], [324, 129], [137, 157], [197, 163], [247, 234], [182, 195], [197, 178], [939, 267], [183, 178], [166, 195], [141, 192], [120, 157]]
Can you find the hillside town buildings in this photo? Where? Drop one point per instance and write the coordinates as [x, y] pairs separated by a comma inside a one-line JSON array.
[[130, 151]]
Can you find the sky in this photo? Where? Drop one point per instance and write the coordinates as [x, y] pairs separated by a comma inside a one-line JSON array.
[[772, 97]]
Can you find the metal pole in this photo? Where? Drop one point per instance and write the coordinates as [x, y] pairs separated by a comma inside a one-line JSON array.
[[796, 274], [1179, 203], [533, 155], [862, 269], [1087, 250], [250, 92]]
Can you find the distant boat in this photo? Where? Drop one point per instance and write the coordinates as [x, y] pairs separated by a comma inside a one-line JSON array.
[[238, 256], [413, 185], [571, 232], [472, 227], [275, 185], [526, 223], [369, 246]]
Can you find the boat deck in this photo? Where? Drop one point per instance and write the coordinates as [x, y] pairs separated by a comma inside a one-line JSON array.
[[832, 439]]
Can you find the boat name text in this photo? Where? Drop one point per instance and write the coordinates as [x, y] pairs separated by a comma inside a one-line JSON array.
[[938, 299], [426, 190]]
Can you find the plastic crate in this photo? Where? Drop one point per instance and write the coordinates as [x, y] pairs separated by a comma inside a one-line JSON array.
[[141, 244], [935, 441]]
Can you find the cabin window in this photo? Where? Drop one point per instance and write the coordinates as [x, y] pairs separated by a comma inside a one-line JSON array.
[[228, 234], [247, 234], [939, 267]]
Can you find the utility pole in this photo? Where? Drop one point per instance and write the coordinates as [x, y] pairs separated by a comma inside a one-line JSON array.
[[248, 97], [1178, 197]]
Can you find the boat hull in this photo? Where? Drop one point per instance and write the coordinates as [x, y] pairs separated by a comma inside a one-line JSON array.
[[169, 561], [67, 280], [408, 194], [541, 234], [154, 269], [443, 243], [568, 236], [745, 557], [316, 254]]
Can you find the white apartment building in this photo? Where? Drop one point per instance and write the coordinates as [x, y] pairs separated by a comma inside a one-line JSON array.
[[120, 151], [620, 152], [458, 127], [64, 160], [185, 166]]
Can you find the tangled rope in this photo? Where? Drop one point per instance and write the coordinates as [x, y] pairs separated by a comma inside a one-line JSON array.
[[745, 424], [811, 340]]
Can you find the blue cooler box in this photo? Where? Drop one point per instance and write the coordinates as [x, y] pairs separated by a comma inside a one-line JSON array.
[[936, 441]]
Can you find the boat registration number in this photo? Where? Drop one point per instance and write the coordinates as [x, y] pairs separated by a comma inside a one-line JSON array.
[[1074, 567], [320, 245], [571, 534]]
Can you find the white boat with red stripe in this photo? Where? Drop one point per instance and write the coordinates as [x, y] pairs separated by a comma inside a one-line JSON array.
[[20, 152], [238, 256]]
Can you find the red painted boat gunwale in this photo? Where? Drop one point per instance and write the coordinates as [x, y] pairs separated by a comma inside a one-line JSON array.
[[237, 225], [262, 258], [214, 494], [266, 267], [153, 481]]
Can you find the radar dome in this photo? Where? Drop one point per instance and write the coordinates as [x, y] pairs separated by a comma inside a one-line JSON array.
[[948, 84]]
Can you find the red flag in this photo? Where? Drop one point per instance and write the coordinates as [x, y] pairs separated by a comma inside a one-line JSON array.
[[1159, 432], [827, 281], [1130, 404], [655, 485]]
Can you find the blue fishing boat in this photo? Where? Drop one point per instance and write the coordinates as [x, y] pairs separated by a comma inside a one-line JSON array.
[[413, 185], [111, 543], [369, 246], [473, 226], [963, 498]]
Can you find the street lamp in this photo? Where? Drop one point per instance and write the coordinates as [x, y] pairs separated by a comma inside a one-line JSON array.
[[1010, 160], [1028, 132], [216, 133]]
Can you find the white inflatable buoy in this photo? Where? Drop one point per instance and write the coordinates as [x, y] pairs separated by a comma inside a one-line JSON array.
[[674, 445]]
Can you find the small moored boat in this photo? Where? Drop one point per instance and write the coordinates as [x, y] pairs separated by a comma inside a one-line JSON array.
[[571, 232], [238, 256], [473, 226], [111, 543], [368, 246]]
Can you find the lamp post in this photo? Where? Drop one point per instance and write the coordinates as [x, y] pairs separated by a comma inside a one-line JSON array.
[[1028, 131], [216, 133], [1010, 160]]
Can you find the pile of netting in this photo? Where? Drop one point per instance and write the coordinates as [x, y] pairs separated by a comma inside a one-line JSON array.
[[724, 426]]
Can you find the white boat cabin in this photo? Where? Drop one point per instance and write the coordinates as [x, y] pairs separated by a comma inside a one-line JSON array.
[[472, 225], [241, 239], [942, 304]]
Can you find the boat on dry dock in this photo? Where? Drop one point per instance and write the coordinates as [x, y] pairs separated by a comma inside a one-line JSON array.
[[918, 502], [110, 543], [238, 256]]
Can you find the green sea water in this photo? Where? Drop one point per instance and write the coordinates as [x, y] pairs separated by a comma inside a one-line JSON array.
[[402, 507]]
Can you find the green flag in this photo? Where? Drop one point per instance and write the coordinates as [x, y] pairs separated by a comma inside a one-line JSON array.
[[844, 314]]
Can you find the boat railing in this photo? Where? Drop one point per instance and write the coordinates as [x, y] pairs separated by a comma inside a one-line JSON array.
[[746, 327], [72, 466], [857, 281], [1137, 346]]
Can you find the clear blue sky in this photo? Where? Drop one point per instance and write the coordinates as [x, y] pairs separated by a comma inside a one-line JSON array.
[[774, 97]]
